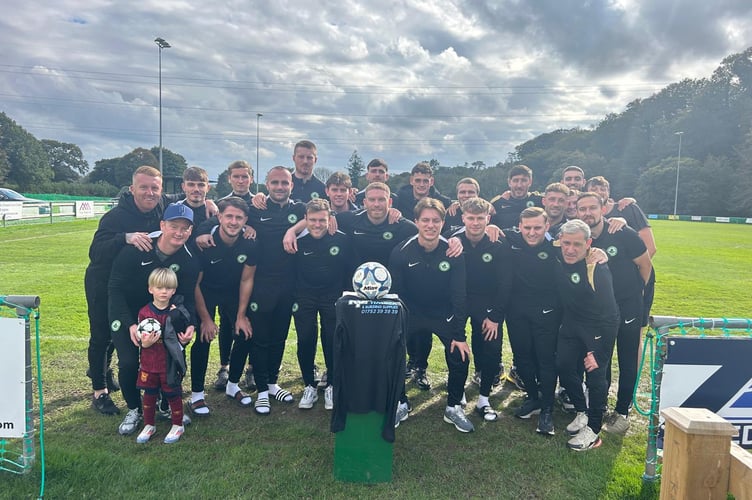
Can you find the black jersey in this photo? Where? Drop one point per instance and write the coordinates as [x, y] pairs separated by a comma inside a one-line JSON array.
[[305, 191], [622, 247], [247, 197], [486, 275], [369, 359], [223, 265], [586, 293], [430, 283], [322, 266], [373, 242], [271, 224], [508, 211], [533, 270], [129, 281], [452, 223]]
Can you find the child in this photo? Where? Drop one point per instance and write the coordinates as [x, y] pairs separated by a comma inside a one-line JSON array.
[[155, 357]]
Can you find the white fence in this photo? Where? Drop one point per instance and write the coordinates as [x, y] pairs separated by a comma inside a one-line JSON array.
[[18, 212]]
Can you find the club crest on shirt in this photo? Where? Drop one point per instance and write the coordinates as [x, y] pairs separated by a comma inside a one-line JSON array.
[[543, 255], [175, 267], [314, 195], [487, 257], [115, 326], [575, 277], [242, 258], [444, 266], [253, 306], [294, 307], [388, 235], [292, 218], [334, 250], [530, 203], [612, 251]]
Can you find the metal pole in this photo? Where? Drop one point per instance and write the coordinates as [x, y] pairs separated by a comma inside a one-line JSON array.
[[258, 167], [162, 44], [678, 163]]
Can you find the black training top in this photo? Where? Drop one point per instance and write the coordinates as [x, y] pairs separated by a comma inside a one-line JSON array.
[[305, 191], [508, 211], [622, 247], [486, 275], [271, 224], [586, 294], [323, 266], [633, 214], [533, 269], [430, 283], [406, 200], [129, 281], [222, 265], [373, 242]]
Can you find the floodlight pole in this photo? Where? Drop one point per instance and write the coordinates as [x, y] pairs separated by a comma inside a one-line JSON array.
[[162, 44], [678, 164], [258, 167]]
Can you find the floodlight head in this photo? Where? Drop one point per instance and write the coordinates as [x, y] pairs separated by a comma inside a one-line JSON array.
[[163, 44]]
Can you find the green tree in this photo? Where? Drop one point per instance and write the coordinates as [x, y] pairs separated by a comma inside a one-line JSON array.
[[119, 171], [355, 167], [173, 164], [27, 165], [67, 160]]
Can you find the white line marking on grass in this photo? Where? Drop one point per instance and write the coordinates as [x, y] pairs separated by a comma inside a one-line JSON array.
[[45, 236]]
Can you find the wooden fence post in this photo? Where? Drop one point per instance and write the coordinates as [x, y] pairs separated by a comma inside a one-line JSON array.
[[696, 454]]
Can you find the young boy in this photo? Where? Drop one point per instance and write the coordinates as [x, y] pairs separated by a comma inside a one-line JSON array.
[[156, 359]]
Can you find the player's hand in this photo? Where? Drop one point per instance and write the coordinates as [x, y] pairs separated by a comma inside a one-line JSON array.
[[249, 233], [353, 194], [139, 240], [211, 208], [290, 241], [209, 330], [332, 224], [259, 201], [596, 256], [133, 330], [463, 348], [590, 362], [453, 207], [185, 337], [243, 326], [205, 241], [625, 202], [455, 247], [148, 339], [393, 215], [489, 329], [616, 224], [494, 232]]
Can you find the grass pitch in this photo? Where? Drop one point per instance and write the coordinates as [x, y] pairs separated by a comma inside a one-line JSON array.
[[236, 454]]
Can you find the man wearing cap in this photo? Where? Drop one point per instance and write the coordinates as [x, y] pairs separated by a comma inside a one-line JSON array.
[[128, 292]]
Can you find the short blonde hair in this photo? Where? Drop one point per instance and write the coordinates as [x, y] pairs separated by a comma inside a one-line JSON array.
[[163, 277]]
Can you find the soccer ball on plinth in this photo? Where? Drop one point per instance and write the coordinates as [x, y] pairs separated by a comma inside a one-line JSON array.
[[372, 280], [148, 325]]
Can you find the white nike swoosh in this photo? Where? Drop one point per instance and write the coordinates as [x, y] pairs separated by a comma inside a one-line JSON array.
[[516, 248], [489, 310], [413, 264], [628, 321], [450, 318], [598, 337], [264, 220], [215, 261], [358, 232], [146, 263], [546, 311], [307, 253]]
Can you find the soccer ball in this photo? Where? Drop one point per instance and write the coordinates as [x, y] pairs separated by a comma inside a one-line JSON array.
[[372, 280], [148, 325]]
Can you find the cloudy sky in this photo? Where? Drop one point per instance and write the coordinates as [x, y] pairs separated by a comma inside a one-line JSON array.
[[405, 80]]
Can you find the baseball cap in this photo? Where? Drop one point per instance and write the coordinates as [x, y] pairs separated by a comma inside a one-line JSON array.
[[178, 211]]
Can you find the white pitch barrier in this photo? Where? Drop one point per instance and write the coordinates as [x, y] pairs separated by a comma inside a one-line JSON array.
[[12, 377]]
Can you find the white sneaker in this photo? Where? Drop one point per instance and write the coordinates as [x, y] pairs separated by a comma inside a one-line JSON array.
[[580, 422], [586, 439], [456, 415], [403, 411], [309, 398], [328, 397], [146, 434], [130, 423], [175, 432]]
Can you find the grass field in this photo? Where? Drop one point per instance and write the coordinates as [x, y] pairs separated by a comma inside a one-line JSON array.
[[235, 454]]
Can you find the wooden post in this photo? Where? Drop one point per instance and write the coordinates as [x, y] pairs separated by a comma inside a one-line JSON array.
[[740, 476], [696, 454]]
